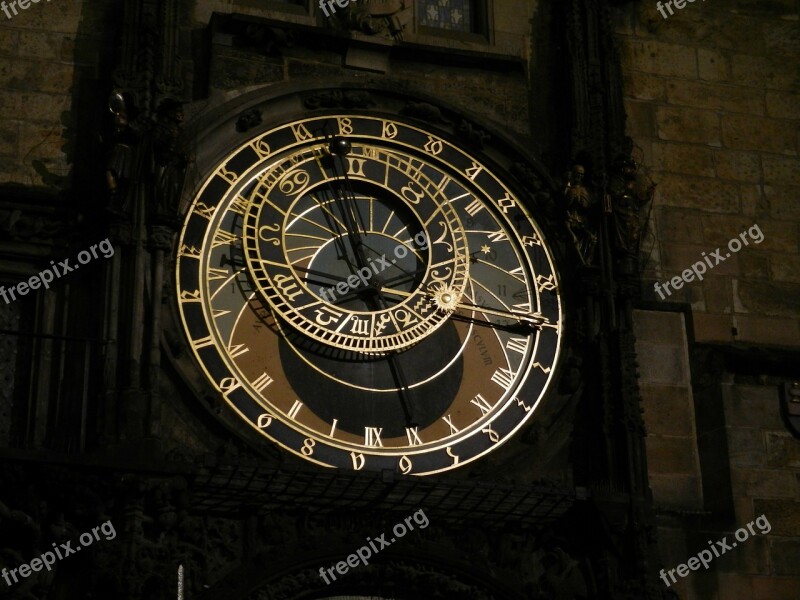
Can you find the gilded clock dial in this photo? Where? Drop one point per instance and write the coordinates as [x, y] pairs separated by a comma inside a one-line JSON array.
[[368, 295]]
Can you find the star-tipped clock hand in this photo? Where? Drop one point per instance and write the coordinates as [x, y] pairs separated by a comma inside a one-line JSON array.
[[533, 319]]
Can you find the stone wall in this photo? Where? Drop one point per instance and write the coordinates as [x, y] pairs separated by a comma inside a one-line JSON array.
[[51, 56], [712, 95], [499, 94]]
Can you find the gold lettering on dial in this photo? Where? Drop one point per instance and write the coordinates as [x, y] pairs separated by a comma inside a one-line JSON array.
[[189, 251], [187, 296], [413, 436], [410, 194], [264, 421], [263, 234], [308, 447], [521, 404], [355, 166], [519, 345], [474, 207], [498, 236], [229, 384], [239, 205], [506, 203], [405, 465], [260, 147], [491, 433], [300, 132], [345, 125], [288, 286], [389, 130], [262, 382], [474, 170], [327, 316], [292, 414], [202, 342], [433, 146], [517, 274], [237, 350], [213, 274], [223, 238], [229, 176], [333, 427], [359, 326], [453, 456], [205, 211], [449, 420], [504, 378], [372, 436], [482, 404], [358, 460]]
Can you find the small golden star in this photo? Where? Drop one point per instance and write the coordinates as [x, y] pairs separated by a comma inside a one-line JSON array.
[[486, 249]]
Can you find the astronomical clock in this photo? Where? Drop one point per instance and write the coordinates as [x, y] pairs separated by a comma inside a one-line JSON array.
[[368, 293]]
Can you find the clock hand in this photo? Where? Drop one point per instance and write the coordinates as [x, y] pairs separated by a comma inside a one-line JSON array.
[[320, 274], [346, 199], [333, 224], [535, 319]]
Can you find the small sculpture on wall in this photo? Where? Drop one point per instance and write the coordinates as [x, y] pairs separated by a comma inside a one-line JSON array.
[[380, 17], [625, 199], [578, 206], [170, 158], [122, 140]]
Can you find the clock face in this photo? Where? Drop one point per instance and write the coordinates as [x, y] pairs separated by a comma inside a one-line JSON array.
[[369, 296]]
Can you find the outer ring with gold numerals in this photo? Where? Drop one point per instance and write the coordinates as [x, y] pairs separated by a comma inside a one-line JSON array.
[[256, 358]]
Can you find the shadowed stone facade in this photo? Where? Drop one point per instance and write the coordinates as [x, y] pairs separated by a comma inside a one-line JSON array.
[[99, 417]]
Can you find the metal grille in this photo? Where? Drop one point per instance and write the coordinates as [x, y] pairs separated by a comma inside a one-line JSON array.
[[231, 489]]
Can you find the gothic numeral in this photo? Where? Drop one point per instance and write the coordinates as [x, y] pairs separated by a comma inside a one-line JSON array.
[[358, 460], [389, 130], [449, 420], [262, 382], [482, 404], [434, 146], [519, 345], [498, 236], [300, 132], [474, 207], [292, 414], [372, 436], [187, 296], [504, 378], [355, 166], [237, 350], [204, 211], [189, 251], [413, 436], [405, 465], [506, 203], [223, 238]]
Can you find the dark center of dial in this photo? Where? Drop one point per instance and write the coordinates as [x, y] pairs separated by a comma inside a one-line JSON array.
[[393, 255]]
